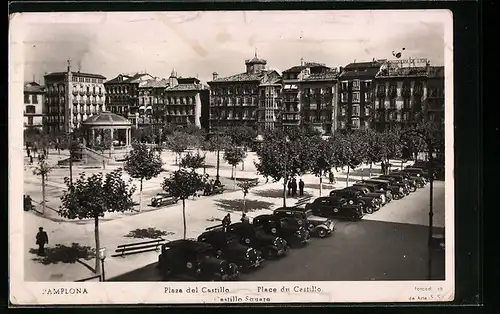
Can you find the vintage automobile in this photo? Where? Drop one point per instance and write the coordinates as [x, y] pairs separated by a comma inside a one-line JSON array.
[[227, 246], [255, 236], [397, 192], [412, 185], [373, 188], [213, 189], [419, 181], [318, 226], [336, 207], [193, 260], [294, 234], [393, 182], [384, 199], [163, 199], [417, 172], [369, 203], [437, 167]]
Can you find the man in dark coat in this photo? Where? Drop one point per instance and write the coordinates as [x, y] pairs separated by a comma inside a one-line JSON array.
[[245, 219], [294, 187], [331, 177], [226, 221], [301, 187], [41, 240]]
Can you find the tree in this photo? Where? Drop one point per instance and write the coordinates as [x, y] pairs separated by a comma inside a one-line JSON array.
[[31, 135], [241, 135], [183, 184], [245, 186], [234, 155], [217, 143], [281, 157], [349, 151], [143, 163], [179, 142], [193, 161], [392, 145], [323, 159], [91, 197], [103, 143], [374, 148], [42, 170]]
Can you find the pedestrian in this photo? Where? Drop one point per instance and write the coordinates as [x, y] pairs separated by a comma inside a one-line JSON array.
[[41, 240], [382, 165], [301, 187], [290, 187], [226, 221], [31, 160], [244, 219], [28, 152], [294, 187], [331, 177]]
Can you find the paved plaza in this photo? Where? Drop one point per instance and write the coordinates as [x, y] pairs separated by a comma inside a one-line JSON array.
[[394, 225]]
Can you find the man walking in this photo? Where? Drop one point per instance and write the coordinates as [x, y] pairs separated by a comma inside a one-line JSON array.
[[301, 187], [331, 177], [41, 240], [294, 187]]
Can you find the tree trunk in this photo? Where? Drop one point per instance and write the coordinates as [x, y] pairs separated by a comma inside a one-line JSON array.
[[370, 171], [232, 172], [184, 216], [284, 192], [204, 163], [244, 203], [320, 185], [43, 194], [103, 164], [401, 165], [347, 180], [140, 197], [235, 177], [97, 245], [243, 165], [362, 170]]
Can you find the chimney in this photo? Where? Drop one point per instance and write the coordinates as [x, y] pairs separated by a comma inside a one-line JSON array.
[[341, 69], [215, 75]]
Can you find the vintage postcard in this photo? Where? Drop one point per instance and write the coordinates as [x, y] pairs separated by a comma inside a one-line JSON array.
[[231, 157]]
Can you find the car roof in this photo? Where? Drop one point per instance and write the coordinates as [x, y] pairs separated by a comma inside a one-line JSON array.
[[188, 244]]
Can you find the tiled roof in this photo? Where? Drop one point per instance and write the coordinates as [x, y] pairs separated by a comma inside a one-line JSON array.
[[436, 71], [33, 87], [80, 74], [187, 80], [127, 78], [155, 83], [184, 87], [106, 118], [247, 77], [256, 60], [360, 70], [299, 68], [323, 76], [408, 71], [271, 78]]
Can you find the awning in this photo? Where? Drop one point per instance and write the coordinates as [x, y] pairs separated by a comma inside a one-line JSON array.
[[142, 108], [149, 108]]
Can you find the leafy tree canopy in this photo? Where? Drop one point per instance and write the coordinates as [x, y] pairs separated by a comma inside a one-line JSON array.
[[143, 163], [183, 183], [193, 161], [234, 155]]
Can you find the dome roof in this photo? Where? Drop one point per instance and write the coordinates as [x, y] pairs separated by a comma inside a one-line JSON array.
[[106, 119]]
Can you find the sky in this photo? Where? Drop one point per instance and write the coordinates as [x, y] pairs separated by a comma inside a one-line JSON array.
[[198, 43]]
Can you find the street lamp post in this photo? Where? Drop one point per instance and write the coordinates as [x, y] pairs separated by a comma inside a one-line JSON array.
[[102, 257], [218, 144], [70, 148], [285, 176]]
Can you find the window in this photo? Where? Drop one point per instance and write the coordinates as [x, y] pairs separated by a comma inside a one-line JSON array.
[[355, 110], [367, 96], [367, 111], [344, 85], [26, 98], [342, 111], [34, 99], [355, 97], [368, 84], [355, 85], [343, 97], [30, 109], [355, 123], [30, 121]]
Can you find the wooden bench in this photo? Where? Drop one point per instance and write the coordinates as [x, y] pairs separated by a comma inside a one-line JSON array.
[[138, 247]]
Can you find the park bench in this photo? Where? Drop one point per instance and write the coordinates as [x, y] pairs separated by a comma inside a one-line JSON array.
[[138, 247]]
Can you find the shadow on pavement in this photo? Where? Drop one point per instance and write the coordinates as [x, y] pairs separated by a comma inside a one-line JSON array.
[[237, 205], [149, 233], [64, 254]]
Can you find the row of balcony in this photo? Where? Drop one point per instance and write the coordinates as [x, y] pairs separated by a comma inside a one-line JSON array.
[[87, 93], [213, 117], [232, 105], [405, 92]]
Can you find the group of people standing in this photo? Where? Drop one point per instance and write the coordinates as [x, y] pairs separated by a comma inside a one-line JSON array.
[[34, 150], [292, 187]]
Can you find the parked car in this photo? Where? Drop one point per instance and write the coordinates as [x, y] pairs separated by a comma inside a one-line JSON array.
[[163, 199], [397, 192], [366, 192], [437, 167], [294, 234], [338, 207], [393, 182], [369, 203], [194, 260], [318, 226], [255, 236], [417, 172], [227, 246], [419, 181], [374, 188], [400, 179]]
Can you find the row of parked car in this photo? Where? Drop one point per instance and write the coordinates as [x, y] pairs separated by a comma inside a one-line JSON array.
[[223, 252]]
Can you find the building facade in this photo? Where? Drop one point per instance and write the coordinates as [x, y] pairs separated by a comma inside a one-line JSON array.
[[251, 98], [184, 100], [401, 93], [34, 105], [434, 107], [123, 94], [356, 99], [71, 98], [151, 111]]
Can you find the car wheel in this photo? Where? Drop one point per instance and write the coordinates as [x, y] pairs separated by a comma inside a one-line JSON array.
[[396, 197], [369, 210], [413, 189], [321, 233]]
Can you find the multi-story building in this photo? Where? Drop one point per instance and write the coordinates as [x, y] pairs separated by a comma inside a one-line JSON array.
[[123, 94], [401, 93], [309, 97], [434, 108], [151, 102], [185, 100], [34, 95], [236, 100], [356, 95], [71, 98]]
